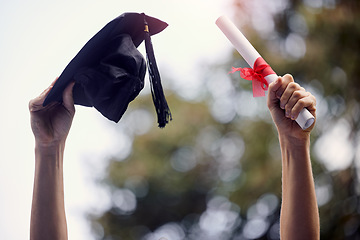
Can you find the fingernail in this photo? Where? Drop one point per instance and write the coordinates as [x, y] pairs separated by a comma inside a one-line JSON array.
[[287, 114]]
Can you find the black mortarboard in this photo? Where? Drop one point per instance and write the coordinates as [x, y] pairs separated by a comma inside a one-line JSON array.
[[109, 71]]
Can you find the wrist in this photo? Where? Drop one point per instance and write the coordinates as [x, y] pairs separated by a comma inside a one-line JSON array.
[[294, 148], [51, 145], [49, 150], [295, 143], [294, 138]]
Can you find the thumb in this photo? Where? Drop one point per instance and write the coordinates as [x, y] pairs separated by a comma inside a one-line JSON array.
[[273, 99], [68, 100]]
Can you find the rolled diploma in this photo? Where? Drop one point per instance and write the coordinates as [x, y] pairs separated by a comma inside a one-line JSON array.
[[249, 53]]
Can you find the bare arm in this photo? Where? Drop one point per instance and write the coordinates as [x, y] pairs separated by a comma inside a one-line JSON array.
[[50, 125], [299, 212]]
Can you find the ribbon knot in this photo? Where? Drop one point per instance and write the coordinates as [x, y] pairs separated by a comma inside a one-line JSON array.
[[257, 76]]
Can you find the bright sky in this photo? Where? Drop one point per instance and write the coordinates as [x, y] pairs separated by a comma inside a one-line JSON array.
[[38, 39]]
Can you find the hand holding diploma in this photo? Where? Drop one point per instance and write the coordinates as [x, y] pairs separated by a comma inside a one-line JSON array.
[[287, 100], [284, 95], [261, 73]]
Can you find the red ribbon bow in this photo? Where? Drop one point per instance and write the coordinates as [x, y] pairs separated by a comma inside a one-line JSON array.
[[257, 76]]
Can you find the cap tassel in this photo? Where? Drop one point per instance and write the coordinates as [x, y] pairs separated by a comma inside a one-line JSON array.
[[161, 106]]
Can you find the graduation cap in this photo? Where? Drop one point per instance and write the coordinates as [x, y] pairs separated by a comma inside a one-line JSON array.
[[109, 70]]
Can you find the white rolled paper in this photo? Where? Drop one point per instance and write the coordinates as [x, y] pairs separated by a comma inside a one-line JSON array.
[[249, 53]]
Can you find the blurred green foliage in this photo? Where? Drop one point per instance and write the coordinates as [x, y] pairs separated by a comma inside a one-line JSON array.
[[215, 172]]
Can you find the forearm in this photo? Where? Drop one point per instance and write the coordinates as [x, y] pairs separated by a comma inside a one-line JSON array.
[[299, 212], [48, 219]]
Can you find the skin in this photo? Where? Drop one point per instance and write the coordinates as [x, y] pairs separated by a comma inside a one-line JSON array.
[[299, 217], [50, 125], [299, 212]]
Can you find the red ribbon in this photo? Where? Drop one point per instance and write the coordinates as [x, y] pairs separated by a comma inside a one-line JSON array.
[[257, 76]]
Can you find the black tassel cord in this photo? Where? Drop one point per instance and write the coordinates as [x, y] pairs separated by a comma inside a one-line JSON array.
[[161, 106]]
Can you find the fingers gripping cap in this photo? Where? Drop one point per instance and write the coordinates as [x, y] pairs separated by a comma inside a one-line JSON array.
[[109, 70]]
